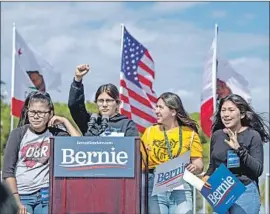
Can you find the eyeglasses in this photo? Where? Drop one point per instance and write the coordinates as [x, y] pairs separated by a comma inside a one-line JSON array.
[[40, 114], [108, 101]]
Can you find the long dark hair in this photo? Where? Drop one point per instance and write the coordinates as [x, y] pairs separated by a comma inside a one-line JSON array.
[[173, 101], [251, 119], [32, 97]]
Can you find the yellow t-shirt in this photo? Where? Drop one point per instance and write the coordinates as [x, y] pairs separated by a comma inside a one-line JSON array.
[[154, 139]]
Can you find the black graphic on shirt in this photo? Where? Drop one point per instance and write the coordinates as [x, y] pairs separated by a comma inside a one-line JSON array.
[[161, 149]]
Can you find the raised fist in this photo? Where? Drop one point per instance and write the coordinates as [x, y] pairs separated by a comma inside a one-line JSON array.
[[81, 70]]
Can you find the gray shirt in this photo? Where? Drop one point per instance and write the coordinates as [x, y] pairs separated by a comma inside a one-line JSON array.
[[26, 158]]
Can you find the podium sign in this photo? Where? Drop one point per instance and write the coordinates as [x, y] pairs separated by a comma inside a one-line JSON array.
[[94, 157]]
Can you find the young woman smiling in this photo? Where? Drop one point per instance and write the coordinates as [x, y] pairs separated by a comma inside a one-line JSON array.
[[237, 142], [175, 134]]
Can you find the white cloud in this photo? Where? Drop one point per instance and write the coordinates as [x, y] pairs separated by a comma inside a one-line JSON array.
[[184, 93], [249, 16], [168, 7], [219, 14], [67, 34], [238, 42], [256, 71]]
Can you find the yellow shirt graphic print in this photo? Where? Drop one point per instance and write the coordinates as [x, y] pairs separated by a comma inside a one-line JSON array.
[[154, 139]]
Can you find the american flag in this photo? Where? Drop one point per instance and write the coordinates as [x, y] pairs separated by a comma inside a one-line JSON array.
[[136, 83]]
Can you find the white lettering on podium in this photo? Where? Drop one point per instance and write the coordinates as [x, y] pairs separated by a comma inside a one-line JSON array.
[[93, 157]]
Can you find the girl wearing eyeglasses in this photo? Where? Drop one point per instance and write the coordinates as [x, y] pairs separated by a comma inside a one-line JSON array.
[[109, 121], [26, 156]]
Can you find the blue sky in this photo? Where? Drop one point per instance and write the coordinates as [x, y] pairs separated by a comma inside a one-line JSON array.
[[248, 17], [177, 34], [231, 16]]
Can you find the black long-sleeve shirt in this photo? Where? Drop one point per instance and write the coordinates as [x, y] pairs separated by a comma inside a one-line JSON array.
[[250, 154], [118, 123]]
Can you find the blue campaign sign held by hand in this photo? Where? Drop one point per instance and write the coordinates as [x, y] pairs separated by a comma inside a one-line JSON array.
[[226, 188]]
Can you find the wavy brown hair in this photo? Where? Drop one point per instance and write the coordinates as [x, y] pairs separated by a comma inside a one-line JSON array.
[[173, 101]]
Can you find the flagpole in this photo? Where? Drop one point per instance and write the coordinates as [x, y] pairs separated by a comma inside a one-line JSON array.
[[12, 75], [214, 69], [121, 51]]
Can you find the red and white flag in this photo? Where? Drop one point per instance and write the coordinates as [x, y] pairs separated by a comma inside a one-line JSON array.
[[29, 72], [207, 96], [136, 83], [219, 76], [231, 82]]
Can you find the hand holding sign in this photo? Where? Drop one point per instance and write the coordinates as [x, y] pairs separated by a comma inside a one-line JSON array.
[[191, 167], [226, 188], [205, 179]]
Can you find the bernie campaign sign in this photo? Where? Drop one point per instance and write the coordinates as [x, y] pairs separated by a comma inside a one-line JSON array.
[[225, 189]]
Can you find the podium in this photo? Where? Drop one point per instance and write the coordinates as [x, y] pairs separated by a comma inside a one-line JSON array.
[[101, 175]]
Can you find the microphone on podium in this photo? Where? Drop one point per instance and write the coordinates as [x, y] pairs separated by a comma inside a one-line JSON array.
[[104, 122], [92, 124], [93, 120]]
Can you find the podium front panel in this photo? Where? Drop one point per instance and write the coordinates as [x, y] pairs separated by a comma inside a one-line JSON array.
[[105, 190]]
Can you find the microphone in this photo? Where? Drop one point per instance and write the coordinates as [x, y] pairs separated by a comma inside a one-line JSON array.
[[104, 122], [92, 121], [93, 128]]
